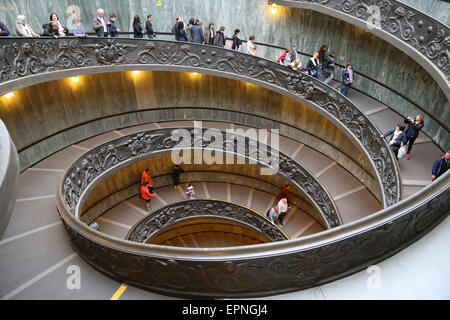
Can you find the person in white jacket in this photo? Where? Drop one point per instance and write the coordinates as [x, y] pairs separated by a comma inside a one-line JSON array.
[[23, 29], [282, 209], [251, 47]]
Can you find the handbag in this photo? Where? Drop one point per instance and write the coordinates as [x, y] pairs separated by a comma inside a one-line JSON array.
[[402, 151]]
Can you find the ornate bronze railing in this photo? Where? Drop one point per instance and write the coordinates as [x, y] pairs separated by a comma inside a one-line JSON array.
[[423, 38], [34, 59], [265, 269], [150, 225], [85, 173]]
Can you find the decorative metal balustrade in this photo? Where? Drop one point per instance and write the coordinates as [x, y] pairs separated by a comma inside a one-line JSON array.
[[85, 173], [22, 58], [149, 226]]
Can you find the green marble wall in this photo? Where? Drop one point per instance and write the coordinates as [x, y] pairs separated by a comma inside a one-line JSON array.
[[308, 29], [438, 9]]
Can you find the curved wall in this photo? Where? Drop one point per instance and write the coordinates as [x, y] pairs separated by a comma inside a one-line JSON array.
[[45, 109], [161, 166], [309, 29], [438, 9]]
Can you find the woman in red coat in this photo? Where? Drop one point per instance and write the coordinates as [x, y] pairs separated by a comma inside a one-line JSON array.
[[146, 195]]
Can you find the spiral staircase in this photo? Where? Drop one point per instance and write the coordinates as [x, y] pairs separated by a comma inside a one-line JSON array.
[[380, 206]]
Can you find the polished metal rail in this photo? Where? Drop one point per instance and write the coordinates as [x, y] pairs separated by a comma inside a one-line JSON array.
[[154, 223]]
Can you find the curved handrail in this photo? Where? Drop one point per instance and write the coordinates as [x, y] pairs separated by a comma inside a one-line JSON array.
[[265, 269], [149, 226], [29, 59], [88, 170], [420, 36]]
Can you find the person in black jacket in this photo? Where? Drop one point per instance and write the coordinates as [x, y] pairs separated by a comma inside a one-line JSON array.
[[236, 41], [313, 65], [137, 28], [176, 176], [220, 38], [4, 32], [181, 33], [113, 31], [412, 131], [149, 28]]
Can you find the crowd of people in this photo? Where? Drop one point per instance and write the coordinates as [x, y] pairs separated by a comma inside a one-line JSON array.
[[321, 66]]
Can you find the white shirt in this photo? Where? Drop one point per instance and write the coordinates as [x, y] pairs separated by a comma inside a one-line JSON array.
[[282, 207], [102, 19], [250, 47], [273, 215], [394, 136]]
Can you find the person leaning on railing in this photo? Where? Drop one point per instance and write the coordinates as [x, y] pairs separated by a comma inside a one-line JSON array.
[[398, 138], [78, 31], [441, 166], [23, 29], [112, 28], [99, 24], [4, 32]]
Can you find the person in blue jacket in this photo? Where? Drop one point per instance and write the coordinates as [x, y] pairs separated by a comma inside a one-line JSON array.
[[113, 31], [398, 138], [441, 166]]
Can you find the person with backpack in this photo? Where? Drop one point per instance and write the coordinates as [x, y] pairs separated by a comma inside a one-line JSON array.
[[236, 41]]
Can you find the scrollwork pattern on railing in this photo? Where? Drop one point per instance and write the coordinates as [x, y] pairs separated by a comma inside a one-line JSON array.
[[421, 32], [292, 270], [22, 57], [145, 229], [102, 158]]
